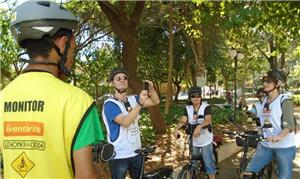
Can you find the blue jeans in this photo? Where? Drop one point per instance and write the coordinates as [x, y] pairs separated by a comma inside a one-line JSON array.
[[283, 156], [119, 167], [208, 157]]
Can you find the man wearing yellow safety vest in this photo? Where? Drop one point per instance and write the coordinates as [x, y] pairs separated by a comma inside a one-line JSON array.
[[47, 127]]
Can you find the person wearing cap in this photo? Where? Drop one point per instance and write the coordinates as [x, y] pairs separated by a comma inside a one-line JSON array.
[[47, 126], [198, 114], [120, 115], [276, 110]]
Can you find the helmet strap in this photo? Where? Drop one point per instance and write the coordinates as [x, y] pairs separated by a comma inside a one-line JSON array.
[[120, 91], [63, 57], [30, 61], [271, 89]]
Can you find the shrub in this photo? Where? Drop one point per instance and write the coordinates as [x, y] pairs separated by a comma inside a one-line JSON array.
[[216, 100], [175, 113], [146, 129], [296, 99], [225, 115]]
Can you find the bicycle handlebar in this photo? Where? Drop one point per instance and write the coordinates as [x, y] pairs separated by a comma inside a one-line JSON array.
[[189, 128], [244, 135]]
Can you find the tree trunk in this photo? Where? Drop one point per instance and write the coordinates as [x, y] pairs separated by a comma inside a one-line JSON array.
[[126, 30], [169, 94], [197, 48], [178, 88], [272, 59], [282, 60]]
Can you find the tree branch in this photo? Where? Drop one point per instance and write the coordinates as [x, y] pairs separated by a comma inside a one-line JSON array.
[[112, 15], [138, 9]]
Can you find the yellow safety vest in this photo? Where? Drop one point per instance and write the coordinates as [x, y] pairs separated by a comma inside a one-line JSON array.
[[40, 117]]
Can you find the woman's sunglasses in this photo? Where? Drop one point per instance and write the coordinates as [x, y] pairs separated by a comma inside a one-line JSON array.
[[195, 96]]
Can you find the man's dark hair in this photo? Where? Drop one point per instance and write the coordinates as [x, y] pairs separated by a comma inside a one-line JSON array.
[[40, 47]]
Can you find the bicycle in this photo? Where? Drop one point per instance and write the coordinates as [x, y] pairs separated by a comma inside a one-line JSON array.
[[159, 173], [196, 163], [247, 139]]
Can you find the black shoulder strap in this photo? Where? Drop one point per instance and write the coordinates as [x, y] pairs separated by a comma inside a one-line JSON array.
[[281, 121], [125, 103]]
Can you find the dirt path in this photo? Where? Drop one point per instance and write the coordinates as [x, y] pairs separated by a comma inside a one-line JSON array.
[[174, 152]]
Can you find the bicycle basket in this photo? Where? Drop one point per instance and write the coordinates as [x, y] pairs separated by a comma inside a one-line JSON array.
[[252, 142]]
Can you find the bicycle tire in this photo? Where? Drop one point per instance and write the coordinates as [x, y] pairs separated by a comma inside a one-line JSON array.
[[160, 173], [186, 173], [266, 172]]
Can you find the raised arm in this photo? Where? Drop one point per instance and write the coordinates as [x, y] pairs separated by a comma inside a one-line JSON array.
[[153, 98]]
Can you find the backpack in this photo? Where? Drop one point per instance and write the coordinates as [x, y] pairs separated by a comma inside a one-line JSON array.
[[296, 128]]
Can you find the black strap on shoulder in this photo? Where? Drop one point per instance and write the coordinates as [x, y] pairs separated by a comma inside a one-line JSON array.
[[125, 103], [281, 121]]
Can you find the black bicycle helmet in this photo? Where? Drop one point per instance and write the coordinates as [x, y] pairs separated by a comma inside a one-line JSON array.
[[278, 76], [34, 19], [116, 71], [194, 90]]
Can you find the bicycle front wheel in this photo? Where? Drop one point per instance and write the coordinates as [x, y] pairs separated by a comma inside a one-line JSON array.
[[186, 173], [266, 172]]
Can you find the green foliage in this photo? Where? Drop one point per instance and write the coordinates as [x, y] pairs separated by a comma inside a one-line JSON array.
[[296, 100], [8, 50], [174, 114], [220, 115], [93, 70], [225, 115], [146, 129], [216, 100], [294, 67]]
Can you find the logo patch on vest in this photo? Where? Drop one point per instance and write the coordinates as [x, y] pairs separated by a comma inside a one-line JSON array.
[[24, 144], [22, 128], [22, 165]]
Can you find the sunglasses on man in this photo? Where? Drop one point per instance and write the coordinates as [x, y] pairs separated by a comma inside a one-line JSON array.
[[119, 78]]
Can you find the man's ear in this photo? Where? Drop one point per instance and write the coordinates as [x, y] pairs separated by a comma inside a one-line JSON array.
[[61, 43]]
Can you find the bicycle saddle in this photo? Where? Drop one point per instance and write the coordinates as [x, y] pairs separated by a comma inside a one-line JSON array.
[[145, 150]]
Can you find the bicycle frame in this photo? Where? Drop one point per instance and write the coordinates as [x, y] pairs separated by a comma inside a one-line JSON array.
[[159, 173], [243, 162], [192, 167]]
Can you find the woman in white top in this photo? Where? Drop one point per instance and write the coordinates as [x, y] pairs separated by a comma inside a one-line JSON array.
[[199, 114], [280, 145]]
